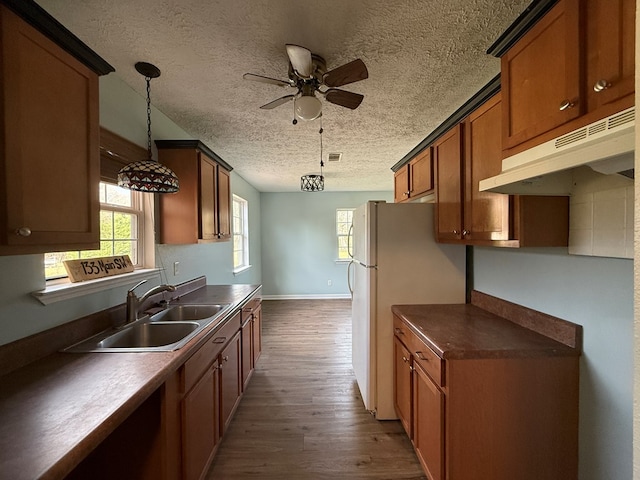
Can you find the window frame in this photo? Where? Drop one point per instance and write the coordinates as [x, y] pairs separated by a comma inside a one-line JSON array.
[[244, 219], [340, 235]]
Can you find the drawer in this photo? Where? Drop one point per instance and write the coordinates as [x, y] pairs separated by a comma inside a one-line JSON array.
[[250, 307], [422, 354], [199, 362]]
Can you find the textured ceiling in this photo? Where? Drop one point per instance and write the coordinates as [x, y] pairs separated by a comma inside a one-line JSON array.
[[425, 59]]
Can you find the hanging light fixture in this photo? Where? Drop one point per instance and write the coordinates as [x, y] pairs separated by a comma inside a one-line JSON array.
[[313, 182], [148, 175]]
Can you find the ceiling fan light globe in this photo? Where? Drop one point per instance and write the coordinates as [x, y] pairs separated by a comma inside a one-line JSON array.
[[307, 107]]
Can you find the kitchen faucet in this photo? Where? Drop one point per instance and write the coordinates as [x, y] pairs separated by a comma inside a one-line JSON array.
[[134, 302]]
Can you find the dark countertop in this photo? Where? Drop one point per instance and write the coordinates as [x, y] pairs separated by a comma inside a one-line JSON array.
[[463, 331], [55, 411]]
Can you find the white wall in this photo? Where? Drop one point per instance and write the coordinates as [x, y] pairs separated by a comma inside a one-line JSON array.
[[122, 111], [299, 246], [596, 293]]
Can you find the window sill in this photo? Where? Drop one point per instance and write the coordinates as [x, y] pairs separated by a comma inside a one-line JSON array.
[[343, 260], [240, 270], [57, 292]]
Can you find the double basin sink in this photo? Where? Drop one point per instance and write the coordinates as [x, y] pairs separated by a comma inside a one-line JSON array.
[[167, 330]]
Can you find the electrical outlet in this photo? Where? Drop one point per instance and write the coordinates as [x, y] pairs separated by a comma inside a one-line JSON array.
[[329, 282], [176, 268]]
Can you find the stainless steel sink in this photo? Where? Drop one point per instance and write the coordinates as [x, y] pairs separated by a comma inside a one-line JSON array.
[[181, 313], [149, 334], [164, 331]]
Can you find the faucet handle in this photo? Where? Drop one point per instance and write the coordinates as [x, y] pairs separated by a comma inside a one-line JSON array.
[[136, 286]]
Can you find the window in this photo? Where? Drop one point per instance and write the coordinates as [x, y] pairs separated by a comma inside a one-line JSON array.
[[121, 217], [240, 234], [344, 217]]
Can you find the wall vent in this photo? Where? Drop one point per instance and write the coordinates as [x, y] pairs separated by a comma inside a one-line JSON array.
[[335, 157]]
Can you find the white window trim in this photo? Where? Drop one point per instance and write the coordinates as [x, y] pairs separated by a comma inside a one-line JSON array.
[[57, 292], [63, 289], [247, 266], [341, 260]]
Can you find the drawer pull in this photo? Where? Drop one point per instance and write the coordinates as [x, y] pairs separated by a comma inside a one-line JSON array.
[[421, 356], [399, 331], [219, 340]]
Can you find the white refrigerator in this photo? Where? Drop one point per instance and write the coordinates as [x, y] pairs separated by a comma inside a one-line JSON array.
[[395, 260]]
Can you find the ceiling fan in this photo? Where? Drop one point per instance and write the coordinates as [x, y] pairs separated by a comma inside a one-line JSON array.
[[308, 73]]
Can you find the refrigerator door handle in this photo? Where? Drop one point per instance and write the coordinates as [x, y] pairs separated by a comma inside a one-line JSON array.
[[349, 240], [349, 278]]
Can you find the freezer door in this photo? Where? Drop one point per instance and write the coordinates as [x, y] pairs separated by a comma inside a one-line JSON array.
[[363, 332], [364, 236]]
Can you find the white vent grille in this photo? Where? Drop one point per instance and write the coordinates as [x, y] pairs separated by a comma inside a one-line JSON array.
[[570, 138], [622, 118], [335, 157], [611, 123]]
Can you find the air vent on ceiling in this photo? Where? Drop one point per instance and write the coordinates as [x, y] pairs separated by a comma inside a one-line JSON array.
[[335, 157]]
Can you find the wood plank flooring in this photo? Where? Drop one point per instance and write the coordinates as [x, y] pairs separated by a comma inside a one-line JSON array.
[[301, 416]]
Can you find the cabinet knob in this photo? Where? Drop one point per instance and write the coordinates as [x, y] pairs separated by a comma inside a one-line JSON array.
[[465, 233], [399, 331], [455, 232], [566, 105], [23, 231], [601, 85], [405, 359], [406, 194]]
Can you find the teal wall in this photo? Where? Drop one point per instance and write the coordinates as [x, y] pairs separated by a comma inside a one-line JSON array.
[[299, 247], [596, 293], [122, 111]]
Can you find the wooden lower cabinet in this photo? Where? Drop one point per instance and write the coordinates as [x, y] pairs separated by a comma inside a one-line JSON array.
[[201, 424], [230, 380], [402, 384], [247, 350], [428, 423], [499, 418], [256, 331]]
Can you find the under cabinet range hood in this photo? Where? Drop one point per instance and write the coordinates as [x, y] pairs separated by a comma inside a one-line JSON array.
[[607, 146]]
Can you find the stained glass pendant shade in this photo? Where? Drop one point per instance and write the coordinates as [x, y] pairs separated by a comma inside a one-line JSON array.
[[148, 175]]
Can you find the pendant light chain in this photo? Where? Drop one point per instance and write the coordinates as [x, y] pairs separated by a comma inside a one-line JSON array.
[[148, 79]]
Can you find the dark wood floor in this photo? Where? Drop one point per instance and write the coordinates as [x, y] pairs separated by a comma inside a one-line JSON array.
[[302, 416]]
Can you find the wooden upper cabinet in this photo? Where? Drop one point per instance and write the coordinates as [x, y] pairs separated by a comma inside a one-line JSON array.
[[447, 151], [486, 214], [610, 44], [401, 185], [541, 76], [49, 144], [415, 179], [201, 211], [574, 67]]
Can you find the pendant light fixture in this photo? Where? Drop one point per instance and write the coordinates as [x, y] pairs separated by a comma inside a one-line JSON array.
[[148, 175], [313, 182]]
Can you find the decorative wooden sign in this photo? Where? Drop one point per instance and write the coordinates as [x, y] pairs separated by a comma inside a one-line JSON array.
[[92, 268]]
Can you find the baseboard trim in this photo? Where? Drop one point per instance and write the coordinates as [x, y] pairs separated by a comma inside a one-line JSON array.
[[311, 296]]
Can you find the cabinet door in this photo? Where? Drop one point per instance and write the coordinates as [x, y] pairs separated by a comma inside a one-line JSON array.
[[257, 334], [230, 380], [200, 424], [207, 223], [428, 424], [486, 214], [402, 384], [421, 174], [247, 350], [401, 184], [610, 43], [541, 76], [50, 133], [224, 204], [448, 156]]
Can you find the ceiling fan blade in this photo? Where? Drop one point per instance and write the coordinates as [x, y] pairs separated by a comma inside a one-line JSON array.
[[348, 73], [278, 102], [261, 79], [343, 98], [300, 59]]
